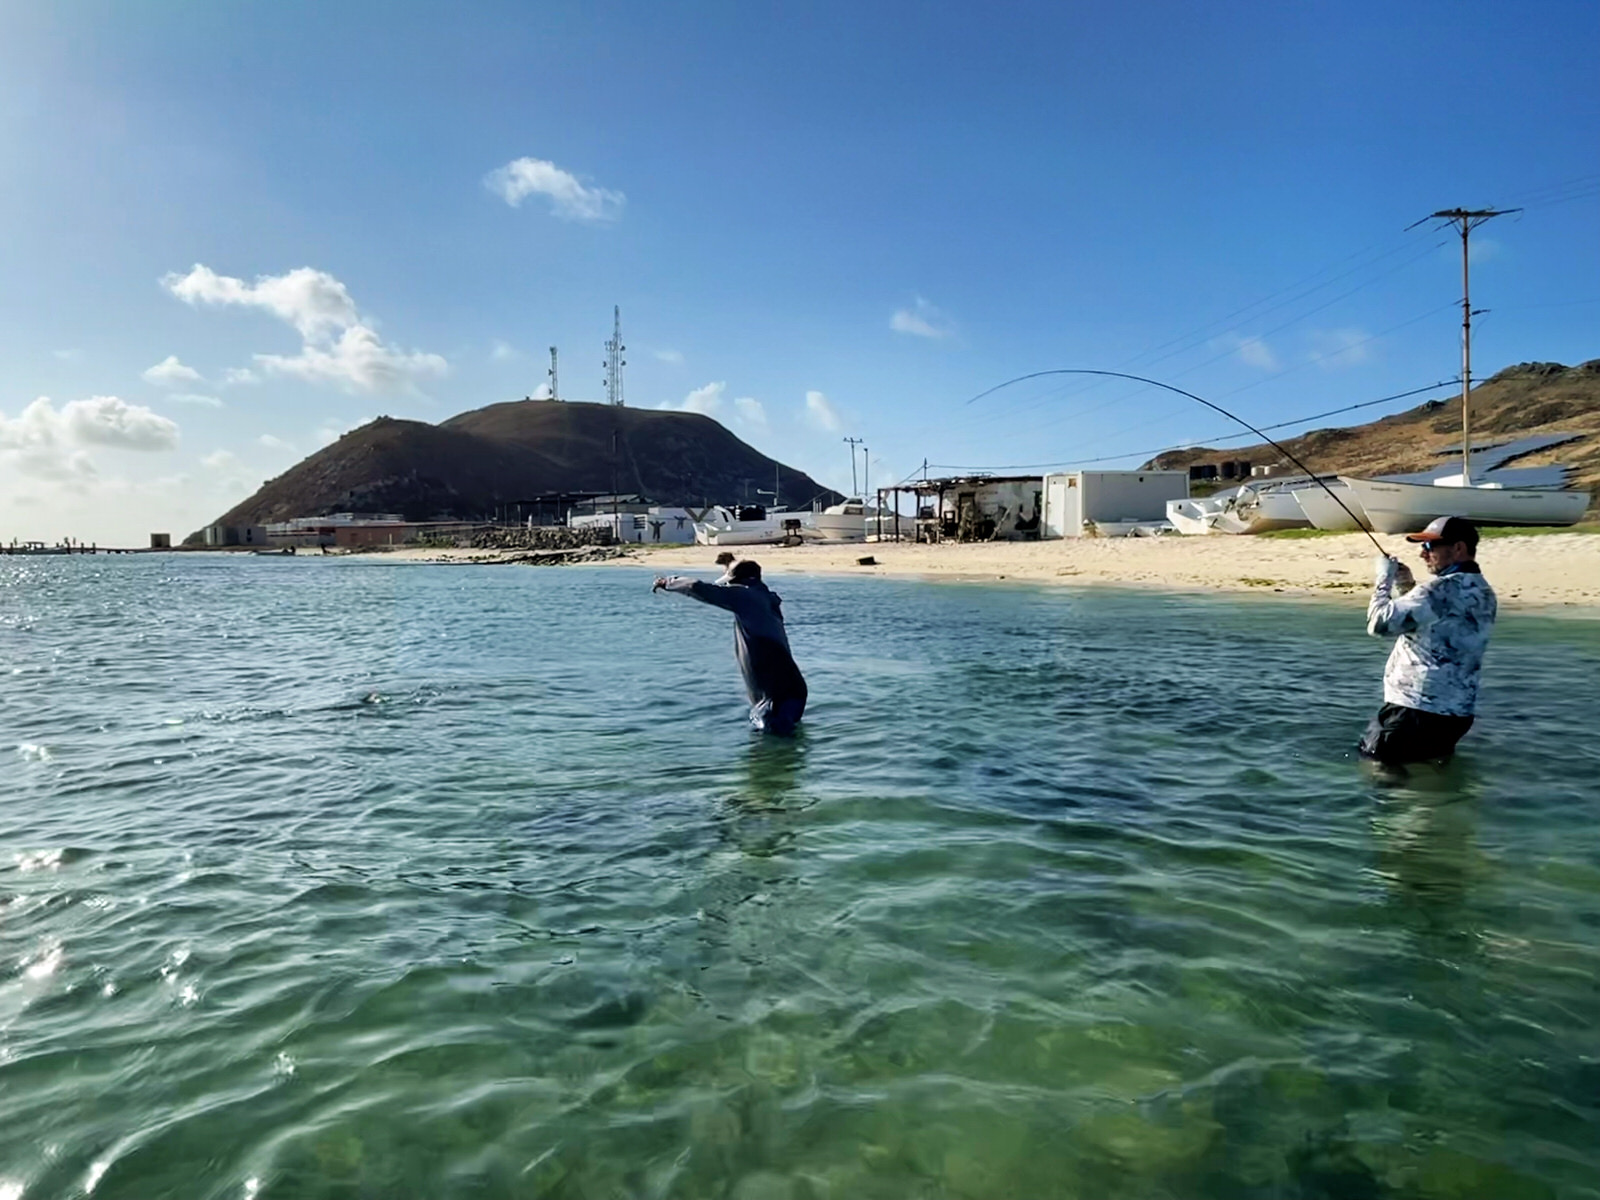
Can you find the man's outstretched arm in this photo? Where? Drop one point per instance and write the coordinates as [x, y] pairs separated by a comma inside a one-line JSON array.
[[699, 589]]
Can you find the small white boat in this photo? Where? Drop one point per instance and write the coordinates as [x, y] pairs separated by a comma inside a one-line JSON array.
[[1408, 507], [753, 525], [1324, 511], [1249, 508]]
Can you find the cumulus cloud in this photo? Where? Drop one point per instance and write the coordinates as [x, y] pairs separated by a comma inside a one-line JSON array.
[[169, 372], [502, 352], [220, 460], [194, 398], [272, 442], [235, 376], [921, 320], [109, 421], [1251, 351], [339, 346], [707, 399], [748, 409], [670, 357], [1336, 348], [48, 443], [570, 198], [820, 411]]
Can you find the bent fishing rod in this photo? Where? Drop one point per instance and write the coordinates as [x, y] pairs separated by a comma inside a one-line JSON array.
[[1217, 408]]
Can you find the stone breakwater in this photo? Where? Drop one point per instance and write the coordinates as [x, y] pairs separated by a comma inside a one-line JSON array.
[[540, 537]]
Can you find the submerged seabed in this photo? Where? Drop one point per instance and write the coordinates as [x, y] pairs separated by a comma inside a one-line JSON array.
[[338, 879]]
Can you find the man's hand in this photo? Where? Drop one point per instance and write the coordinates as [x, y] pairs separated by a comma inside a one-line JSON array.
[[1390, 569]]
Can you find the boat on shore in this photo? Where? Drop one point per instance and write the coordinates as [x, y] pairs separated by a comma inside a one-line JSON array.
[[753, 525], [1339, 511], [1396, 507]]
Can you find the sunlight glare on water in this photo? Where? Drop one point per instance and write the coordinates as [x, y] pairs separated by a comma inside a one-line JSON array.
[[344, 878]]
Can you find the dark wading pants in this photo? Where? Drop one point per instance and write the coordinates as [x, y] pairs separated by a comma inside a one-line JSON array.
[[1406, 735]]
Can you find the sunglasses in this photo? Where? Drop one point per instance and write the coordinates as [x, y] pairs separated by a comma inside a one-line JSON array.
[[1430, 547]]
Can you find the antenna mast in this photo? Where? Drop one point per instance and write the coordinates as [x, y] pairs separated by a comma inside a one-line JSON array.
[[614, 360], [1465, 221], [555, 385]]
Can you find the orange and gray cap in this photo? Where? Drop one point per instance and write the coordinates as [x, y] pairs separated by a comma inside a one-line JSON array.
[[1448, 530]]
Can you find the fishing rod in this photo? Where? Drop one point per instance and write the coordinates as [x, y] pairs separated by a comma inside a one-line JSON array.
[[1217, 408]]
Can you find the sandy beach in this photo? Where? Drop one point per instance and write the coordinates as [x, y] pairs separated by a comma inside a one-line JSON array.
[[1556, 570]]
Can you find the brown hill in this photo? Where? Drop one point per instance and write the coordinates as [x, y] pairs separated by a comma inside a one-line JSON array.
[[468, 467], [1520, 401]]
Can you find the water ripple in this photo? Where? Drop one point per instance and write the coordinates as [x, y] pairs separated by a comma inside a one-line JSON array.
[[328, 879]]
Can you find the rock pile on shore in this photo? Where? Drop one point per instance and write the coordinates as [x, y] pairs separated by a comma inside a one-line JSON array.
[[541, 537]]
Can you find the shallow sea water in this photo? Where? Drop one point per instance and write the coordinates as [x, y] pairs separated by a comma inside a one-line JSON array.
[[352, 879]]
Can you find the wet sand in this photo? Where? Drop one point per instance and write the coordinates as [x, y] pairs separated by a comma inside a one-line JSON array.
[[1541, 571]]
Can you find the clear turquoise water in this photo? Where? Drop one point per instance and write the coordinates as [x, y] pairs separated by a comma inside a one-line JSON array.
[[344, 879]]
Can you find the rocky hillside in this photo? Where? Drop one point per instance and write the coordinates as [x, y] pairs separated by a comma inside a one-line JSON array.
[[471, 465], [1527, 399]]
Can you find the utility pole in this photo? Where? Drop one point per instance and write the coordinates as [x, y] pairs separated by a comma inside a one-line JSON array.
[[854, 442], [555, 383], [866, 470], [614, 360], [1465, 220]]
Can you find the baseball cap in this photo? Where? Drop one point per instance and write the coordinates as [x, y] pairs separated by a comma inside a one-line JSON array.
[[1447, 530]]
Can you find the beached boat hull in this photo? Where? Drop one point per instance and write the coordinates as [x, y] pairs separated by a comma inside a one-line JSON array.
[[1323, 511], [1408, 507], [725, 527]]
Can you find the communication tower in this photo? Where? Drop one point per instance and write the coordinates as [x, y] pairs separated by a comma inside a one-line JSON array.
[[555, 383], [614, 360]]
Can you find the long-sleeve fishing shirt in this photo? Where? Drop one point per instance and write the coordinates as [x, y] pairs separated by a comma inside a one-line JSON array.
[[760, 641], [1441, 628]]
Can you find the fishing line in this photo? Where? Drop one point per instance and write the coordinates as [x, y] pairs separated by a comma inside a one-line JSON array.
[[1217, 408]]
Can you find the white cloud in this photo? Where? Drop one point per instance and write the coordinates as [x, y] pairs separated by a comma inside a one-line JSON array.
[[670, 357], [194, 398], [338, 345], [569, 197], [502, 352], [1251, 351], [240, 375], [357, 362], [272, 442], [921, 320], [220, 460], [706, 400], [820, 411], [314, 302], [48, 443], [749, 410], [1336, 348], [109, 421], [169, 372]]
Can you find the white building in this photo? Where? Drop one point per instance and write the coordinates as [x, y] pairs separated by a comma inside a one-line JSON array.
[[1076, 501], [650, 527]]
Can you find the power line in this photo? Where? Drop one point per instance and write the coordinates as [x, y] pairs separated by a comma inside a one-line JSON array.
[[1432, 387]]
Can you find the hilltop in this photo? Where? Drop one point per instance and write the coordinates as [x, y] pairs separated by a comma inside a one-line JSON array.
[[1520, 401], [468, 466]]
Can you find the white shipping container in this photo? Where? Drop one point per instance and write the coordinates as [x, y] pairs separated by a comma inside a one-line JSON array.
[[1075, 498]]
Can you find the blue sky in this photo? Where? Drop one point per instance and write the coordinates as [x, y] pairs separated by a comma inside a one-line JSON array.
[[233, 230]]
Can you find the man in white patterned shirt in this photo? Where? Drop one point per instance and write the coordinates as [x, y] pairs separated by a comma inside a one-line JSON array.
[[1441, 628]]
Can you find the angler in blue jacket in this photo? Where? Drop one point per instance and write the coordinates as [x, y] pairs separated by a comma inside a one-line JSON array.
[[761, 644]]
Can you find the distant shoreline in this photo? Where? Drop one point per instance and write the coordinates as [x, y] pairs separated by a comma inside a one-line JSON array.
[[1551, 571]]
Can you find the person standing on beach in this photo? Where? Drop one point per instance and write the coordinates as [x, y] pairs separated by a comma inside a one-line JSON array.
[[1441, 627], [777, 689]]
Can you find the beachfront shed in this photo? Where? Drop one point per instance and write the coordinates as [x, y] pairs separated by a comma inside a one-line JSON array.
[[1076, 500], [978, 508]]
